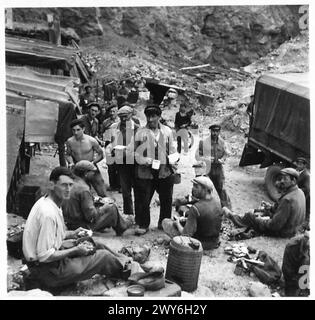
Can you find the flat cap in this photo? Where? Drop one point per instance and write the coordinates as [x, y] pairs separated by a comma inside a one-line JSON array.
[[85, 165], [124, 110], [204, 181], [153, 108], [215, 127], [290, 171]]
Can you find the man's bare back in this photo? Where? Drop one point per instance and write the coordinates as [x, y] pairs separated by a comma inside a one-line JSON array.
[[83, 149]]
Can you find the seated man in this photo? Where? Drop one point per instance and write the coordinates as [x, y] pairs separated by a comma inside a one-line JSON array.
[[43, 239], [285, 217], [203, 220], [80, 211]]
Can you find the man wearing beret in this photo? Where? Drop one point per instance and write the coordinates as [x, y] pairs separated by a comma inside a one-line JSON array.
[[304, 184], [213, 152], [153, 144], [203, 219], [120, 135], [79, 210], [285, 217]]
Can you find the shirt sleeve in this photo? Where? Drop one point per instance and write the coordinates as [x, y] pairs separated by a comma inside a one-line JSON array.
[[46, 239], [87, 206], [280, 217], [191, 224]]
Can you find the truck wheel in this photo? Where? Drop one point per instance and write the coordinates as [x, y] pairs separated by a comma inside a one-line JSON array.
[[270, 179]]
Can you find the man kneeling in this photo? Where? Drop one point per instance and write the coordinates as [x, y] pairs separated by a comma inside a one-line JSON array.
[[80, 211], [44, 238], [204, 217]]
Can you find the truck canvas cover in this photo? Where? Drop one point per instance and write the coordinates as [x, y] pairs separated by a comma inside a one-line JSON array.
[[281, 113]]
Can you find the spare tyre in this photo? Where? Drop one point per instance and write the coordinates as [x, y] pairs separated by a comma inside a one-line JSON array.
[[270, 179]]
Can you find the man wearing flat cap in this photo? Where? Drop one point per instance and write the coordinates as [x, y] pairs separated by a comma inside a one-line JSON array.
[[203, 220], [80, 210], [213, 152], [304, 184], [284, 218], [153, 144], [120, 136]]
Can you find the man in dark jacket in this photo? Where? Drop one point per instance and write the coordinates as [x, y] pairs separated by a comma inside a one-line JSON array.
[[80, 210], [203, 220], [285, 217]]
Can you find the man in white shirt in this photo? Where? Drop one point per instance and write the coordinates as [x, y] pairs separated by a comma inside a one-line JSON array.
[[50, 261]]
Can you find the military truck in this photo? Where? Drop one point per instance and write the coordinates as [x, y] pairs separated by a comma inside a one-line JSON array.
[[279, 129]]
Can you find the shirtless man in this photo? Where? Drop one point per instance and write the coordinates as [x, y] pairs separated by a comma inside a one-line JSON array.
[[84, 147]]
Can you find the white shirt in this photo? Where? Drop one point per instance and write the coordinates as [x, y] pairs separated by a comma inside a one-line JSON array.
[[44, 230]]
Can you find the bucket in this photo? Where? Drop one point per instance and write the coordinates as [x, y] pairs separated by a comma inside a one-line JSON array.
[[183, 263]]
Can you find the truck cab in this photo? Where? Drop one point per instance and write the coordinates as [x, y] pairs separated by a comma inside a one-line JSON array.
[[279, 129]]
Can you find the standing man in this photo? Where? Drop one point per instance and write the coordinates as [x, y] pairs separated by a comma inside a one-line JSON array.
[[84, 147], [153, 144], [80, 211], [304, 184], [283, 219], [43, 242], [86, 98], [90, 120], [213, 152], [113, 175], [204, 217], [121, 135]]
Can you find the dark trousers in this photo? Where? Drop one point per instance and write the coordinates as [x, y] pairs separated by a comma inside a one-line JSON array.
[[217, 177], [113, 176], [144, 190], [127, 179]]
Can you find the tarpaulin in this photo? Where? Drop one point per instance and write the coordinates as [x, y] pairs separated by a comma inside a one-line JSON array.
[[282, 115], [41, 120]]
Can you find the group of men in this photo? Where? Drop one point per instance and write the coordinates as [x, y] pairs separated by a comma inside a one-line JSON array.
[[143, 158]]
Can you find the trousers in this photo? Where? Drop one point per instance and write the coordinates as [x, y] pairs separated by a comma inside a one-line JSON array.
[[127, 179], [216, 175], [70, 270], [144, 190]]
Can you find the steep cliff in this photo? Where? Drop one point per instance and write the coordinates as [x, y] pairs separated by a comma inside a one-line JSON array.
[[221, 35]]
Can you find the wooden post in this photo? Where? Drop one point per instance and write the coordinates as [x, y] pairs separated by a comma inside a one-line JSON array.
[[54, 32]]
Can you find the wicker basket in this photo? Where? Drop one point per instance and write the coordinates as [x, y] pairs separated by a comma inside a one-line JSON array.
[[183, 263]]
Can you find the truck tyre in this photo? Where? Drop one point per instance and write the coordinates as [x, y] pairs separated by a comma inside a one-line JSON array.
[[270, 179]]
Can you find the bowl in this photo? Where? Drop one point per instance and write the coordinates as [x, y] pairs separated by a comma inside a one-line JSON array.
[[135, 291]]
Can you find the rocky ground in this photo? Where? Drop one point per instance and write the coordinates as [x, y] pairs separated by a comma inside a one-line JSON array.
[[230, 91]]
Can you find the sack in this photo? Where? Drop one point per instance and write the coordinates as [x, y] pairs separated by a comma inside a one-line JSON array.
[[270, 273]]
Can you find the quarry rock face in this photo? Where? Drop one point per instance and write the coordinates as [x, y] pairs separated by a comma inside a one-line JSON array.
[[231, 36]]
